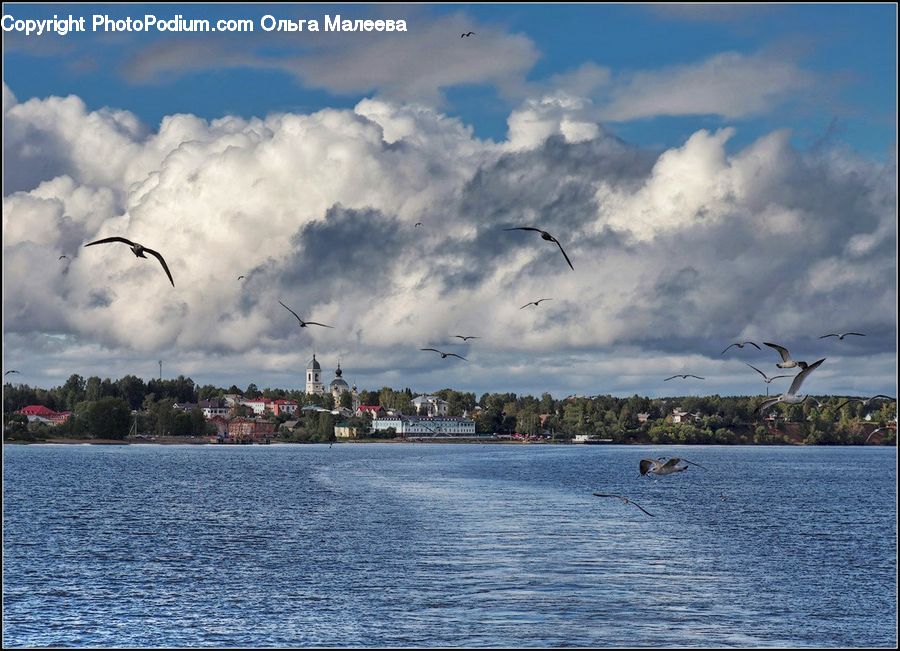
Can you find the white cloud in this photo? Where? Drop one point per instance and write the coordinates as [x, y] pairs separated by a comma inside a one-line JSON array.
[[729, 84], [558, 114], [674, 254]]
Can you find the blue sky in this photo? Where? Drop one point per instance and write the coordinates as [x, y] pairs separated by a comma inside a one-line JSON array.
[[850, 50], [715, 172]]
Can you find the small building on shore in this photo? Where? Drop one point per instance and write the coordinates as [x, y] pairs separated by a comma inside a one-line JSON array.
[[250, 430], [344, 430]]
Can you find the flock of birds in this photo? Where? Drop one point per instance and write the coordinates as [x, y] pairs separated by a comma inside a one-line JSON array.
[[667, 466], [788, 397], [140, 250]]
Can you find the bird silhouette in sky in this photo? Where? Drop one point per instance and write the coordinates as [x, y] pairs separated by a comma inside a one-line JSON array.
[[535, 303], [445, 355], [139, 250], [303, 323], [545, 235]]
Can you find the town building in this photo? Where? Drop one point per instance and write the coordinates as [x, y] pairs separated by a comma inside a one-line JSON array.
[[247, 430], [679, 416], [424, 426], [42, 414], [431, 406], [314, 385], [281, 406], [345, 431], [213, 408], [377, 411], [258, 405]]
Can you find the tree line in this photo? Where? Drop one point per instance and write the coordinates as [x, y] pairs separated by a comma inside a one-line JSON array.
[[105, 405]]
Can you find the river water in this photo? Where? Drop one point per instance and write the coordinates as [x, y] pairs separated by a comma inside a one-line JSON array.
[[447, 545]]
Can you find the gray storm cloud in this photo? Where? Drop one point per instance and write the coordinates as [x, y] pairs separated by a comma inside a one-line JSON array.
[[674, 252]]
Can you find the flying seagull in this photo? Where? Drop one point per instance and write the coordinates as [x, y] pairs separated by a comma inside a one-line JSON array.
[[61, 257], [467, 34], [864, 401], [627, 501], [657, 467], [741, 344], [545, 235], [535, 303], [766, 377], [467, 338], [303, 323], [139, 250], [239, 277], [445, 355], [786, 360], [8, 372], [841, 336], [875, 431], [790, 397], [686, 376], [417, 224]]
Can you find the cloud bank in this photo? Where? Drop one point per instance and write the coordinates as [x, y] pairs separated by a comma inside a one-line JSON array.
[[676, 253]]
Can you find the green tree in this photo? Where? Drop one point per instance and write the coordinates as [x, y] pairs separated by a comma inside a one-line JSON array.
[[92, 389], [73, 391], [108, 418]]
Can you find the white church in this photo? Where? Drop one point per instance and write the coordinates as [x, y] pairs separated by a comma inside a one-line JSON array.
[[315, 385]]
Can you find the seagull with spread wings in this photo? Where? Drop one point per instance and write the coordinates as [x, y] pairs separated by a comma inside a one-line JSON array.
[[445, 355], [535, 303], [467, 337], [875, 431], [545, 235], [139, 250], [626, 500], [658, 467], [865, 401], [8, 372], [303, 323], [61, 257], [841, 336], [467, 34], [786, 361], [741, 344], [766, 377], [684, 376], [790, 397]]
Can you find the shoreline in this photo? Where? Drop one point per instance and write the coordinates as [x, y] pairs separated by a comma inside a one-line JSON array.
[[174, 440]]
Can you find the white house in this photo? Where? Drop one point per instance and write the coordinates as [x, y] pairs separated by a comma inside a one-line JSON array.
[[433, 405]]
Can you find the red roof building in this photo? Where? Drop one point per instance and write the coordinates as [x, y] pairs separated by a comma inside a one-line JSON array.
[[45, 414], [282, 406], [375, 410]]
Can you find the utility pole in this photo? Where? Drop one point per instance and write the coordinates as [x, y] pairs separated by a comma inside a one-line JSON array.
[[160, 370]]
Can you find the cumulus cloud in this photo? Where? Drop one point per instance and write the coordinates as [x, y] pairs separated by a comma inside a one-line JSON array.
[[675, 253]]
